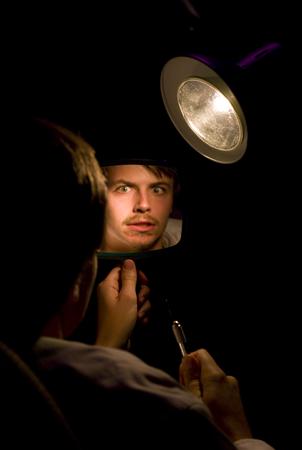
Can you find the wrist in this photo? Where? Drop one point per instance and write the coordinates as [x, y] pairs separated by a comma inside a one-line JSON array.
[[112, 341]]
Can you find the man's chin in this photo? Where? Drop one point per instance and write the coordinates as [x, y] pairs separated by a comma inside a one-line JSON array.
[[143, 245]]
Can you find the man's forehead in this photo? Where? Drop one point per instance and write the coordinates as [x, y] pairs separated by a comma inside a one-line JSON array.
[[135, 173]]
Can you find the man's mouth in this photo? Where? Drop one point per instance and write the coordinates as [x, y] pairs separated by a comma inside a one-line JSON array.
[[141, 226]]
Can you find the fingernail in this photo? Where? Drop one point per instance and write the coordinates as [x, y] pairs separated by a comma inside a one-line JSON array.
[[128, 264]]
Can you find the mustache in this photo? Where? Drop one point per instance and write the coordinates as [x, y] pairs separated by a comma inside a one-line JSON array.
[[139, 219]]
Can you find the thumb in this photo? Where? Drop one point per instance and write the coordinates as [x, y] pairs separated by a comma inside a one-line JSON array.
[[190, 375], [128, 277]]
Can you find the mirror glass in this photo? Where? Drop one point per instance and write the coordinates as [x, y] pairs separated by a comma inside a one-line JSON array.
[[143, 210]]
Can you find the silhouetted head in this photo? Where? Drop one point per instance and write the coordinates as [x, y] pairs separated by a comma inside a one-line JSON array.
[[54, 199]]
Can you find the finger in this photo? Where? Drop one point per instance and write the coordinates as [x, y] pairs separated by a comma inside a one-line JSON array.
[[111, 281], [143, 294], [144, 309], [114, 276], [209, 368], [189, 375], [181, 378], [144, 320], [142, 278], [128, 278], [189, 369]]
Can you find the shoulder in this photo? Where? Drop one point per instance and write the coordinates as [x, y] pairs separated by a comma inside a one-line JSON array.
[[96, 385], [252, 444], [94, 361], [172, 233], [108, 367]]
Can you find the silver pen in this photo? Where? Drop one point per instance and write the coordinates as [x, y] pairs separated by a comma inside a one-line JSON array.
[[179, 336]]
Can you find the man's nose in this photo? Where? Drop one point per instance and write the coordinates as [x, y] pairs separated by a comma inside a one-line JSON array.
[[142, 203]]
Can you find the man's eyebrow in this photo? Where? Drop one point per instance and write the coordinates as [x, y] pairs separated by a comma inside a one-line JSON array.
[[120, 181], [167, 184], [131, 183]]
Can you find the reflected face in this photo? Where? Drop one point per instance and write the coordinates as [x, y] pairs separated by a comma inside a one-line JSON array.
[[139, 202]]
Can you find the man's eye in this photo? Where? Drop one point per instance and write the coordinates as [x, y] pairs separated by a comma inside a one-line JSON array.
[[123, 188], [159, 189]]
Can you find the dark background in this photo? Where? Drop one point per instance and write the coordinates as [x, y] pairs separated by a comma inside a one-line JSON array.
[[233, 280]]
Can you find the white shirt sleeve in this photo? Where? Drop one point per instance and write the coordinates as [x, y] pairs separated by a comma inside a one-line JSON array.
[[252, 444]]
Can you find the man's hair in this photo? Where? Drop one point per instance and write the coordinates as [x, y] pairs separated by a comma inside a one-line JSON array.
[[55, 205]]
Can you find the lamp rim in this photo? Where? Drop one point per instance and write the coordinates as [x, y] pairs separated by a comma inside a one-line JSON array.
[[174, 73]]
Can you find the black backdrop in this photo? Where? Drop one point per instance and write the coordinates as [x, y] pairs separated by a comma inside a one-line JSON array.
[[233, 280]]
